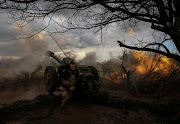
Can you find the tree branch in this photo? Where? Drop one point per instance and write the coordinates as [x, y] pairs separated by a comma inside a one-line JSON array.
[[23, 1], [170, 55], [159, 44]]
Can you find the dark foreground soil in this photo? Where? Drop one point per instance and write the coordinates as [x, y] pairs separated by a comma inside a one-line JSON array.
[[26, 102], [78, 113], [45, 109]]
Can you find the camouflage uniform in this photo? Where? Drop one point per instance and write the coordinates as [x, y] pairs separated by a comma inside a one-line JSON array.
[[68, 92]]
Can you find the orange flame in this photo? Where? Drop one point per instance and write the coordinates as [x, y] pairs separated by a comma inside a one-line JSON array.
[[147, 62], [144, 63]]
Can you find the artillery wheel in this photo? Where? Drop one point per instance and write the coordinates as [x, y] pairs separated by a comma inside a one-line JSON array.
[[50, 79], [95, 73]]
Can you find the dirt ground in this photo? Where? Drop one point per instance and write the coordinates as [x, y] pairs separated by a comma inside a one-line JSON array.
[[78, 112], [93, 114], [25, 89]]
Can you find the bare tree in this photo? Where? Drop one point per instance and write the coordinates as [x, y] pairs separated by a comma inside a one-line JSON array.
[[163, 15]]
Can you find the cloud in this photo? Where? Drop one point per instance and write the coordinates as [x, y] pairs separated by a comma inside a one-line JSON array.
[[130, 31], [74, 43], [33, 45], [21, 47]]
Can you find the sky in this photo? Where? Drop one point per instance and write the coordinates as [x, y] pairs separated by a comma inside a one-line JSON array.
[[77, 44]]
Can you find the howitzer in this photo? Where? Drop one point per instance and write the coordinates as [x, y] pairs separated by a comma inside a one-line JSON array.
[[86, 84], [51, 54]]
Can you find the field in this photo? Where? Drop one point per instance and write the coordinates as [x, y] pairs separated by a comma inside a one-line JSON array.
[[26, 101]]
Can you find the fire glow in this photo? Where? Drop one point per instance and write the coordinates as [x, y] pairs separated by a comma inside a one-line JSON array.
[[156, 63], [142, 63]]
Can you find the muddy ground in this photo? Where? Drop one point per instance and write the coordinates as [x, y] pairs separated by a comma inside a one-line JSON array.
[[27, 102]]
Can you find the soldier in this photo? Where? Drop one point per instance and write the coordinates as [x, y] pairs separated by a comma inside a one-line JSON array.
[[68, 79]]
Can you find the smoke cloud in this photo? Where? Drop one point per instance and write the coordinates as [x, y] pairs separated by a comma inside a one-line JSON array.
[[89, 59], [34, 55], [12, 68]]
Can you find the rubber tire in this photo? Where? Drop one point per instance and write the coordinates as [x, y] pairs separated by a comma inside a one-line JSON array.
[[50, 79]]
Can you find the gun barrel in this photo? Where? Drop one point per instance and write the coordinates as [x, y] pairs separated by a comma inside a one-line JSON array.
[[51, 54]]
